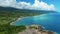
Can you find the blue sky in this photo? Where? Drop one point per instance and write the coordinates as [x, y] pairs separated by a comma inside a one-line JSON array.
[[51, 5], [55, 2]]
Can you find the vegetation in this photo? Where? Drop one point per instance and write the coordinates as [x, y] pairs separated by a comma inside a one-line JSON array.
[[6, 17], [8, 29]]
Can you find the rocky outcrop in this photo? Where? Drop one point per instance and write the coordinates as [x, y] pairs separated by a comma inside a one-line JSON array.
[[35, 29]]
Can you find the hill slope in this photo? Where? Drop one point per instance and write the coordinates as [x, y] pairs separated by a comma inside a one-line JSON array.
[[9, 14]]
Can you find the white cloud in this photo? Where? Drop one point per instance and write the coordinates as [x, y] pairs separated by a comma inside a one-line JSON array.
[[7, 3], [24, 5]]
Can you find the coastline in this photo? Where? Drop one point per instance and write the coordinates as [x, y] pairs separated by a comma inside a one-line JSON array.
[[32, 24], [37, 30], [18, 20], [15, 21]]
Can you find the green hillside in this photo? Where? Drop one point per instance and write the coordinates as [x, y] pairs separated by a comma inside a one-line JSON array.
[[8, 15]]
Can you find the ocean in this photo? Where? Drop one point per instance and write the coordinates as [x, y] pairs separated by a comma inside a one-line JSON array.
[[50, 21]]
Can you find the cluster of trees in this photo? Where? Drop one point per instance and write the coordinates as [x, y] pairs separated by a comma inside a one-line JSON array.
[[8, 29]]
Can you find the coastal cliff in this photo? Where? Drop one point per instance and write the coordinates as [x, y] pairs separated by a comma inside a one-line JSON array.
[[35, 29]]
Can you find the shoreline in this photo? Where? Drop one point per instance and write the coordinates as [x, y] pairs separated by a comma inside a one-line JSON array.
[[32, 24], [15, 21], [18, 19], [32, 29]]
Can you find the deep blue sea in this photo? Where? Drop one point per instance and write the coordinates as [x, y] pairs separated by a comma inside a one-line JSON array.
[[50, 21]]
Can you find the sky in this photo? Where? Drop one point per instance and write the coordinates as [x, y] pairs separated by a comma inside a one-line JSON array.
[[32, 4], [55, 2]]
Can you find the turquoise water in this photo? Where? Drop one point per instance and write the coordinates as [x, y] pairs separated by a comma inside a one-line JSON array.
[[50, 21]]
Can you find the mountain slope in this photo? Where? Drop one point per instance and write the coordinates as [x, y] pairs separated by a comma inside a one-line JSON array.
[[23, 10], [9, 14]]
